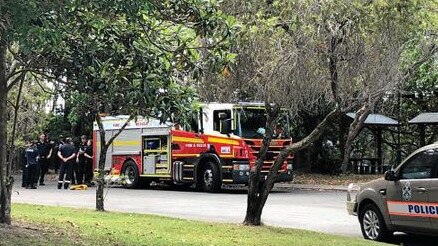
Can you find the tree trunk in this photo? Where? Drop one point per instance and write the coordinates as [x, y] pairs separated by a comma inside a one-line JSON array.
[[254, 208], [104, 145], [257, 196], [354, 129], [253, 211], [12, 156], [333, 67], [101, 166], [100, 205], [257, 201], [6, 181], [343, 132], [55, 100]]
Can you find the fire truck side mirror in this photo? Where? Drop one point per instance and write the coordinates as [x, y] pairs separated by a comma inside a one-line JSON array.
[[225, 126], [223, 116]]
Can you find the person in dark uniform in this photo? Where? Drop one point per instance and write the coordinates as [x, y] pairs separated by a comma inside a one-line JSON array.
[[53, 161], [89, 163], [44, 154], [81, 160], [59, 161], [24, 166], [75, 167], [67, 154], [32, 165]]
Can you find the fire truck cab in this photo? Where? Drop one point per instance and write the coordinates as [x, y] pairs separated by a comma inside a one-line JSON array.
[[218, 146]]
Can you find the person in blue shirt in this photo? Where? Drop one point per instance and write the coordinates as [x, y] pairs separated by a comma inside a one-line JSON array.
[[31, 165]]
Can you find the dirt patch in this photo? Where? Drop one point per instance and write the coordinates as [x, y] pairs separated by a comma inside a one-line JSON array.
[[323, 179], [25, 233]]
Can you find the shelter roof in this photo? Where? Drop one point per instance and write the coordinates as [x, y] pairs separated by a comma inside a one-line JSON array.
[[376, 120], [425, 118]]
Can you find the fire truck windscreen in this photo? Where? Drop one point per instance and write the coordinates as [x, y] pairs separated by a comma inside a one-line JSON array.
[[251, 123]]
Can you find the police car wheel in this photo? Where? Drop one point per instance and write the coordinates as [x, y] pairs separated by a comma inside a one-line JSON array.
[[130, 173], [372, 223], [209, 178]]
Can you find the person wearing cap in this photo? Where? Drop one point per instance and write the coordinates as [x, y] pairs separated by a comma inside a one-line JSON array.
[[32, 165], [67, 154]]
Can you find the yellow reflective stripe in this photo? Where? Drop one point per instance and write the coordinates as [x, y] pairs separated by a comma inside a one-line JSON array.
[[223, 141], [187, 140], [185, 155], [226, 156], [119, 143]]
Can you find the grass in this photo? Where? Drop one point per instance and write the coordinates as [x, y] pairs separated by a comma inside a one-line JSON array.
[[45, 225]]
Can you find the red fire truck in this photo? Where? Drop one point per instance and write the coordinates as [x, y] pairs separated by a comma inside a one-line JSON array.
[[218, 146]]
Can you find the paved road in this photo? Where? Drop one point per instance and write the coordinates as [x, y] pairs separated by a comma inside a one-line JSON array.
[[312, 210], [322, 211]]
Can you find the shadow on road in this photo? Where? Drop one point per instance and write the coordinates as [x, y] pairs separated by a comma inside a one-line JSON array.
[[411, 240], [224, 190]]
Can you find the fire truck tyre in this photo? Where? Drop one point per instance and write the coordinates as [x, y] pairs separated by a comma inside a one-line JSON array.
[[210, 178], [130, 172], [372, 223]]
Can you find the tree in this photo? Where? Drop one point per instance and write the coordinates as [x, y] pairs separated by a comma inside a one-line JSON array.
[[16, 20], [5, 178], [416, 36], [136, 58], [333, 56]]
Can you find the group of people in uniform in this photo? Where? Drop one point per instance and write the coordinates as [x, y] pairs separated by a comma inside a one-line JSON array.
[[75, 163]]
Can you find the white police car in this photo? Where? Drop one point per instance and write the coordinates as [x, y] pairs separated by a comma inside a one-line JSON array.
[[405, 200]]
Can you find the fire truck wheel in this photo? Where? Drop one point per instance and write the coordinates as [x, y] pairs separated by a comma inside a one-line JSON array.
[[130, 172], [209, 179]]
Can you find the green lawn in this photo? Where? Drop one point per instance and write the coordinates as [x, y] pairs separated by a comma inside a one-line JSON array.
[[44, 225]]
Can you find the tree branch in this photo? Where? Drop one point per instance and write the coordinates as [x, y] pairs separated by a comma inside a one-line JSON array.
[[354, 129], [13, 82], [304, 143], [110, 141], [433, 49], [12, 68]]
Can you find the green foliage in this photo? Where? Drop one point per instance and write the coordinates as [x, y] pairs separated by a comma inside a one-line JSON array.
[[419, 89], [136, 57], [57, 126], [422, 83], [292, 38], [32, 116], [18, 19]]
